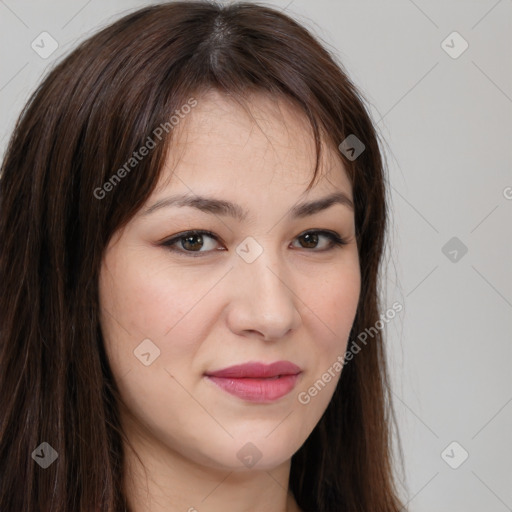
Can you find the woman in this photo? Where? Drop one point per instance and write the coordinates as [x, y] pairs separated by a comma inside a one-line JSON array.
[[192, 220]]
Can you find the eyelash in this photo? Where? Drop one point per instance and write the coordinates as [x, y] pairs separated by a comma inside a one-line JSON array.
[[335, 239]]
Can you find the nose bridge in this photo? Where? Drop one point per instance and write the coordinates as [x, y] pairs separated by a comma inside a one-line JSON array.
[[265, 276], [267, 304]]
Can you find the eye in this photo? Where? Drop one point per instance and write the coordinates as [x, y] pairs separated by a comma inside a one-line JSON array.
[[190, 243], [311, 239]]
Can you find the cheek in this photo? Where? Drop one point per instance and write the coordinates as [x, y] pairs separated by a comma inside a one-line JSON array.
[[145, 311], [142, 297], [154, 301], [331, 310], [334, 305]]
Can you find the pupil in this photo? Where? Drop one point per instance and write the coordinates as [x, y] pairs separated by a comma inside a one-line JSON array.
[[192, 237], [313, 237]]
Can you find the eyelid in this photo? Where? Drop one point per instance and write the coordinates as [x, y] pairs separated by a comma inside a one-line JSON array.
[[169, 242], [336, 241], [182, 234]]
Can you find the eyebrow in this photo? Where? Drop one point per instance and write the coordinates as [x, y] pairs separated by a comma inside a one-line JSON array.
[[227, 208]]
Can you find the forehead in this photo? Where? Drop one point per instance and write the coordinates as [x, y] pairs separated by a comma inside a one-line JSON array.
[[266, 140]]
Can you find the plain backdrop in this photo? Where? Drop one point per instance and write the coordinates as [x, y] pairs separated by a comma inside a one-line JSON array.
[[442, 101]]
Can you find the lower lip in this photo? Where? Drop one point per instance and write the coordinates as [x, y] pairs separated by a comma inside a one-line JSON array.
[[257, 390]]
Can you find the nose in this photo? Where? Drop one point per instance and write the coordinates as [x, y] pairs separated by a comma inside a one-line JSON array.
[[264, 300]]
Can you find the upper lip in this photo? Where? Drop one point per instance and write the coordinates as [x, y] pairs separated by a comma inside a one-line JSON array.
[[257, 370]]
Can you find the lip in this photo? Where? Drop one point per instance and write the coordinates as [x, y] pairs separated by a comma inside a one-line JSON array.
[[257, 370], [257, 382]]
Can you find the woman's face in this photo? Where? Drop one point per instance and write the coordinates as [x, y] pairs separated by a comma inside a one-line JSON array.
[[260, 290]]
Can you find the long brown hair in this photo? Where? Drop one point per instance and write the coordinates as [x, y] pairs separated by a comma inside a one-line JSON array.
[[81, 125]]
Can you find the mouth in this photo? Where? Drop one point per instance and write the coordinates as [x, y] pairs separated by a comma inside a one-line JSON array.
[[257, 382], [257, 390]]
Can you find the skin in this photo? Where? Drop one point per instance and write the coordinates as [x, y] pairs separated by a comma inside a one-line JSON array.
[[297, 301]]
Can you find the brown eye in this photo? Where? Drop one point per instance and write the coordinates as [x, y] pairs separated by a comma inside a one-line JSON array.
[[310, 240], [191, 243]]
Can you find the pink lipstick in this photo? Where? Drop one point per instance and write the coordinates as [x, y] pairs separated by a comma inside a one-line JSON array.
[[257, 382]]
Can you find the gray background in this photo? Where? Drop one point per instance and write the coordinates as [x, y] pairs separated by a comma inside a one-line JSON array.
[[447, 126]]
